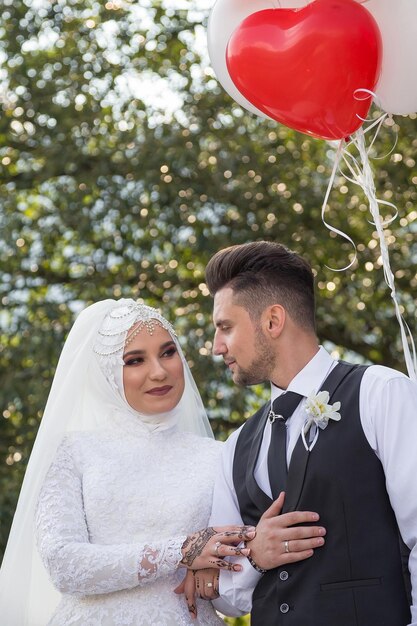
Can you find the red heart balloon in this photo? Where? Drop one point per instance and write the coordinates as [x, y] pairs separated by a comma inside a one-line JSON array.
[[304, 67]]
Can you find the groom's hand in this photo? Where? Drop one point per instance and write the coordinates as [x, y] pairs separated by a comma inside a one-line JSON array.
[[278, 541]]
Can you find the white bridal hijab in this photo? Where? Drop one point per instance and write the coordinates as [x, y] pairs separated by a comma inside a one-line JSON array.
[[86, 394]]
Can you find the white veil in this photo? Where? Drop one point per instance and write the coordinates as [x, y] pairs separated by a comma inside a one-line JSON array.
[[81, 398]]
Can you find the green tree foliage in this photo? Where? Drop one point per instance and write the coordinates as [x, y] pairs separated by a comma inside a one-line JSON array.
[[124, 166]]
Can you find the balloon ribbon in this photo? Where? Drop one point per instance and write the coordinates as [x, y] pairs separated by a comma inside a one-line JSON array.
[[362, 175]]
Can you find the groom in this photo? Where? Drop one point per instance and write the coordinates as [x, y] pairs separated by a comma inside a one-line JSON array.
[[356, 466]]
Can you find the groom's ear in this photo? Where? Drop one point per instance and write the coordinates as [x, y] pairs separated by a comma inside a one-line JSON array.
[[274, 320]]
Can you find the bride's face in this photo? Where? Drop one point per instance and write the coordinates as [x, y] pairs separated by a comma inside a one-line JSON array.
[[153, 374]]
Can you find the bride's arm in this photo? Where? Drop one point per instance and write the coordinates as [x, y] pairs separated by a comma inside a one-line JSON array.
[[77, 566]]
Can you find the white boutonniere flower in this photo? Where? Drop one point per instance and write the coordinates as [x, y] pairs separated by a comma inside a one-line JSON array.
[[319, 412]]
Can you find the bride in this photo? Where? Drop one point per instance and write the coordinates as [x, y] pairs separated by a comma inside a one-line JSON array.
[[120, 476]]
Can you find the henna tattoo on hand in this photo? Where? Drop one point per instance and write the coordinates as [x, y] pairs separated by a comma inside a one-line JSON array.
[[192, 608], [220, 563], [194, 545], [239, 534]]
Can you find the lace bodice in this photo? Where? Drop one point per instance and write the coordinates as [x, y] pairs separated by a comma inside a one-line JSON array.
[[112, 515]]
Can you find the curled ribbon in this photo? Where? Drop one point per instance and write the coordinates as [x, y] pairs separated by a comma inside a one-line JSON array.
[[362, 175]]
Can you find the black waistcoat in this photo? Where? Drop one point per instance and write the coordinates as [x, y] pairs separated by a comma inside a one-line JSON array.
[[360, 576]]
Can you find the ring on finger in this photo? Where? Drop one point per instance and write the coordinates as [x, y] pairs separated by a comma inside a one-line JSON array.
[[209, 584], [287, 546], [216, 548]]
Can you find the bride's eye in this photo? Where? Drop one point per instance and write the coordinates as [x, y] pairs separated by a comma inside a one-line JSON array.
[[137, 360], [170, 351]]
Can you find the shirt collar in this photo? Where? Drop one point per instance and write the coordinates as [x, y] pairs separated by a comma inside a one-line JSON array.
[[310, 378]]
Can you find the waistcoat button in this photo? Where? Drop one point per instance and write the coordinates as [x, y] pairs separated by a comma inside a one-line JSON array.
[[284, 608], [283, 575]]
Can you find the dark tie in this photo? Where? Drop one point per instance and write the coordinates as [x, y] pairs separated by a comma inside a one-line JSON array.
[[282, 408]]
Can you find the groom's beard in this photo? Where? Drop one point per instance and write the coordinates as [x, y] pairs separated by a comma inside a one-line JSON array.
[[261, 367]]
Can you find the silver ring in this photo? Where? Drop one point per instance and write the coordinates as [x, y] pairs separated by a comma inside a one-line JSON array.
[[209, 584], [216, 548], [286, 546]]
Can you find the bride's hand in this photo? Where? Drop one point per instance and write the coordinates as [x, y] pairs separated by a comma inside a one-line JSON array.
[[203, 583], [208, 547], [187, 587], [206, 583]]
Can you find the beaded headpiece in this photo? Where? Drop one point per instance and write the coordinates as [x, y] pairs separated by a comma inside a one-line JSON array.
[[114, 333]]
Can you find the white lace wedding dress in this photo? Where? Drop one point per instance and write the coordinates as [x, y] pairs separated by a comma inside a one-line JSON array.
[[112, 515]]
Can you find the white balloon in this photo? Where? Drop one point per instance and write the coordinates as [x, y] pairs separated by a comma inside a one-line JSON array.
[[396, 91], [225, 17]]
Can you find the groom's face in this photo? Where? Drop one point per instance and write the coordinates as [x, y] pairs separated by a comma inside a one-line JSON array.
[[240, 341]]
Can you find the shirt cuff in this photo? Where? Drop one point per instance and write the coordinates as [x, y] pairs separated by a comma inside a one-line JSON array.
[[236, 588]]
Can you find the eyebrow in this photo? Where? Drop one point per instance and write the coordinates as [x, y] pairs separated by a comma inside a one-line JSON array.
[[161, 347], [218, 323]]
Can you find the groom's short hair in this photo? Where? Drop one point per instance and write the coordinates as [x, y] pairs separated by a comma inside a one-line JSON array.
[[262, 273]]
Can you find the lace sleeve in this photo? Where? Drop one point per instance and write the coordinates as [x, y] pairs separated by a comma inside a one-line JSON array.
[[77, 566]]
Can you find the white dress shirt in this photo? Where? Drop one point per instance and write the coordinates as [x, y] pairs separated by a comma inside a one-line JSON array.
[[388, 412]]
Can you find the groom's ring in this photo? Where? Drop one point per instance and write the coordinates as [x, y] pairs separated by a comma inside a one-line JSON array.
[[287, 546], [216, 548], [209, 584]]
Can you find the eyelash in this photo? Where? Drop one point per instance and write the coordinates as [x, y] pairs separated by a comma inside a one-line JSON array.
[[135, 361], [170, 351], [138, 360]]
